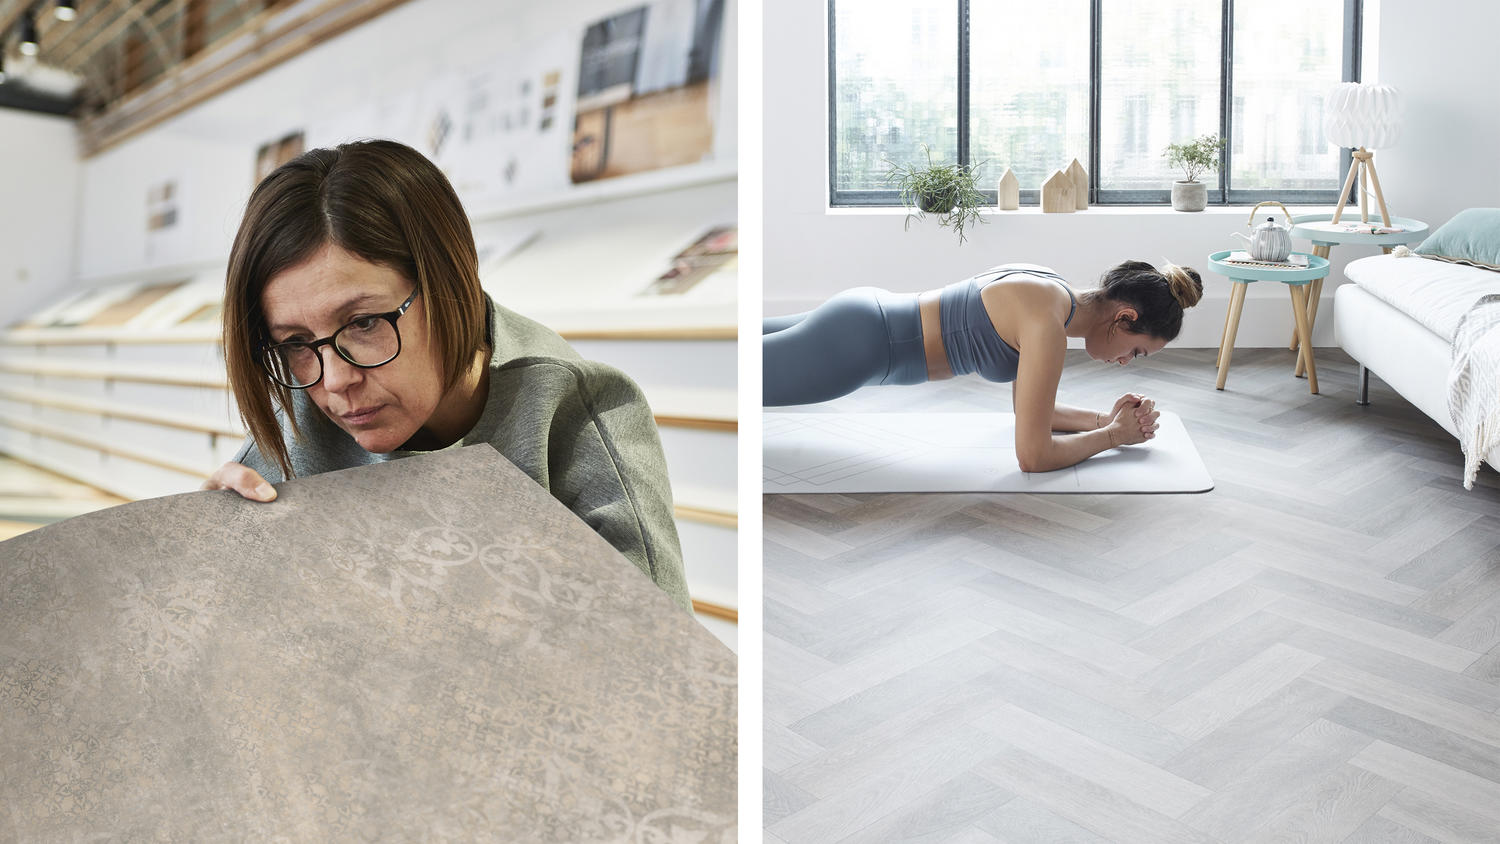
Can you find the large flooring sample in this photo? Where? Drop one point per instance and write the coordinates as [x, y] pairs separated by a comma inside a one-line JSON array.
[[431, 648], [1311, 653], [957, 452]]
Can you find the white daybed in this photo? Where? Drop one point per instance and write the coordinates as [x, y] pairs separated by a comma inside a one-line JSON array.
[[1399, 318]]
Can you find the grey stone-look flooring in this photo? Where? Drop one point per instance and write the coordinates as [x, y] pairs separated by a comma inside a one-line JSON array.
[[1309, 652]]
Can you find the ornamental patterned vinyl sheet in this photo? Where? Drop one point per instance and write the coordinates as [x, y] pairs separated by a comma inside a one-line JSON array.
[[431, 648]]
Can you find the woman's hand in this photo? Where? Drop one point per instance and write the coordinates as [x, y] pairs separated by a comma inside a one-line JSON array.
[[1133, 423], [243, 480], [1127, 400]]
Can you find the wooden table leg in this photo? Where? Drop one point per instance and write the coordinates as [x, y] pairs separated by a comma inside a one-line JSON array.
[[1304, 333], [1228, 314], [1321, 250], [1231, 327], [1312, 320]]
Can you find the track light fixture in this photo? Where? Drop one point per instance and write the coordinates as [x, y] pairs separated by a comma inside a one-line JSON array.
[[65, 10], [29, 44]]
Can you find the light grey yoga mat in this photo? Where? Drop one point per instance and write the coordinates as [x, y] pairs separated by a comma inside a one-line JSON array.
[[957, 452], [427, 649]]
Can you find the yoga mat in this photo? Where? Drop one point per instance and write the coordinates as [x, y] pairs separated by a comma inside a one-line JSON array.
[[431, 648], [957, 452]]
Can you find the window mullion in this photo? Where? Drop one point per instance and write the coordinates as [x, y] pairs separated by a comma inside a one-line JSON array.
[[833, 110], [1096, 52], [1226, 99], [1354, 28], [963, 83]]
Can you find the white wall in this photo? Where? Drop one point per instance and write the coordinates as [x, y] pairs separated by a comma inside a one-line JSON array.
[[367, 82], [1434, 51], [1441, 55], [38, 208]]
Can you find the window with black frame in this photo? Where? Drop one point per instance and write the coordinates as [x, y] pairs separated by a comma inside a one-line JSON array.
[[1032, 85]]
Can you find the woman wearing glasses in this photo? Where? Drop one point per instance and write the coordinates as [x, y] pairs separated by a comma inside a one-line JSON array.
[[356, 330]]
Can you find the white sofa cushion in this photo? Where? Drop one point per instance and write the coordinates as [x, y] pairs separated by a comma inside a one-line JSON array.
[[1436, 294]]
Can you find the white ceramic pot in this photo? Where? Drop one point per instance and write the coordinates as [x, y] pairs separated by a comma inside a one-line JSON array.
[[1189, 196]]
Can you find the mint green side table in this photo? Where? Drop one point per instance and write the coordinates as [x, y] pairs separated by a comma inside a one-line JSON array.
[[1297, 281], [1324, 241]]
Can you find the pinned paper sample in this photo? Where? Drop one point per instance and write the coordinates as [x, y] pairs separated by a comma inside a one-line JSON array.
[[273, 154], [428, 648], [715, 251], [167, 239], [647, 81], [957, 452]]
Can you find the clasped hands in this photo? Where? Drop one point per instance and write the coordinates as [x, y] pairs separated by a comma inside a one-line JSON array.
[[1133, 420]]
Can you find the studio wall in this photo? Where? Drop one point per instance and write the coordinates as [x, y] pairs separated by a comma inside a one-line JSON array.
[[391, 77], [39, 171]]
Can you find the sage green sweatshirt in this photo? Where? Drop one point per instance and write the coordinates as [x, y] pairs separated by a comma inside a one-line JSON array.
[[579, 428]]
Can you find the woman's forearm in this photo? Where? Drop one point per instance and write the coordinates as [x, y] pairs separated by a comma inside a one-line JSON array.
[[1071, 449], [1065, 418]]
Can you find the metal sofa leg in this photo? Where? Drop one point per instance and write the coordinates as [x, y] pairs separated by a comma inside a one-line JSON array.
[[1364, 386]]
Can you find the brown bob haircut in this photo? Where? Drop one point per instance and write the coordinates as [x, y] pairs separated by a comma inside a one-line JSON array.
[[380, 200]]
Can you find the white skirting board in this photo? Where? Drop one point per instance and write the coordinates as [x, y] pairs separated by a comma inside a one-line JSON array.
[[957, 452]]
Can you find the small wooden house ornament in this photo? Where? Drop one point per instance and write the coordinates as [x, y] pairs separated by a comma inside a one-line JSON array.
[[1057, 194], [1080, 179], [1009, 191]]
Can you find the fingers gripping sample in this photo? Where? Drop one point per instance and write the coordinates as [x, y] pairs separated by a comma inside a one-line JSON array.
[[429, 648]]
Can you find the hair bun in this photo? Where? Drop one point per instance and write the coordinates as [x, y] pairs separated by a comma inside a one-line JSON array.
[[1185, 283]]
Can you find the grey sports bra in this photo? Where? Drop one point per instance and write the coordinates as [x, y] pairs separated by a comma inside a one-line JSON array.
[[970, 338]]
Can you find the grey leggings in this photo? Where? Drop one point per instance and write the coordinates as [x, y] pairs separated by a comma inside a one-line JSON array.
[[859, 337]]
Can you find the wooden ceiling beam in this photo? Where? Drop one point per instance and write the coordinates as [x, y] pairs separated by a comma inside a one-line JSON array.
[[10, 15], [55, 33], [152, 30], [58, 38], [182, 66], [128, 12], [247, 52]]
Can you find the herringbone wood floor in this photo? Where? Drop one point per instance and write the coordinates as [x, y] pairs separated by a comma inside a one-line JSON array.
[[1309, 652]]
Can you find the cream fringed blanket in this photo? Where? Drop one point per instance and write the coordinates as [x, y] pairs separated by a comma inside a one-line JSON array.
[[1474, 385]]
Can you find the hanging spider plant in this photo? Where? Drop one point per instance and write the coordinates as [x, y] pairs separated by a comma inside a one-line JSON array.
[[949, 191]]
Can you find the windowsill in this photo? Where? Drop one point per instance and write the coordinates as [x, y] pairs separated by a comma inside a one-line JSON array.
[[1093, 211]]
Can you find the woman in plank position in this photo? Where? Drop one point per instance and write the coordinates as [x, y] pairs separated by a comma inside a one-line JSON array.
[[1009, 323]]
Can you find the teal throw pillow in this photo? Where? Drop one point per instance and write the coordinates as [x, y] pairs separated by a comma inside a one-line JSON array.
[[1471, 237]]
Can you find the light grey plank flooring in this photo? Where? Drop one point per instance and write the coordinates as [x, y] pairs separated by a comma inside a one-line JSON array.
[[1310, 652]]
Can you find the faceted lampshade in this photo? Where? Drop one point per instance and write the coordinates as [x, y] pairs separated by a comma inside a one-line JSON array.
[[1360, 115]]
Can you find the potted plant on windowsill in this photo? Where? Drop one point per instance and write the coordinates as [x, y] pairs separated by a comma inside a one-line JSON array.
[[948, 190], [1196, 156]]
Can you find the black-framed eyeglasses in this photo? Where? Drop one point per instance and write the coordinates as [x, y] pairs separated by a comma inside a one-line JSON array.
[[367, 342]]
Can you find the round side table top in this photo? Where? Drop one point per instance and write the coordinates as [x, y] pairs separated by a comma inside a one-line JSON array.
[[1316, 268], [1415, 230]]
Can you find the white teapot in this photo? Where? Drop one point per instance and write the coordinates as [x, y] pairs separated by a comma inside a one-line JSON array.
[[1268, 241]]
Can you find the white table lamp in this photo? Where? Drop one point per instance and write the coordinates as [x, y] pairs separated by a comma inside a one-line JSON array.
[[1360, 116]]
